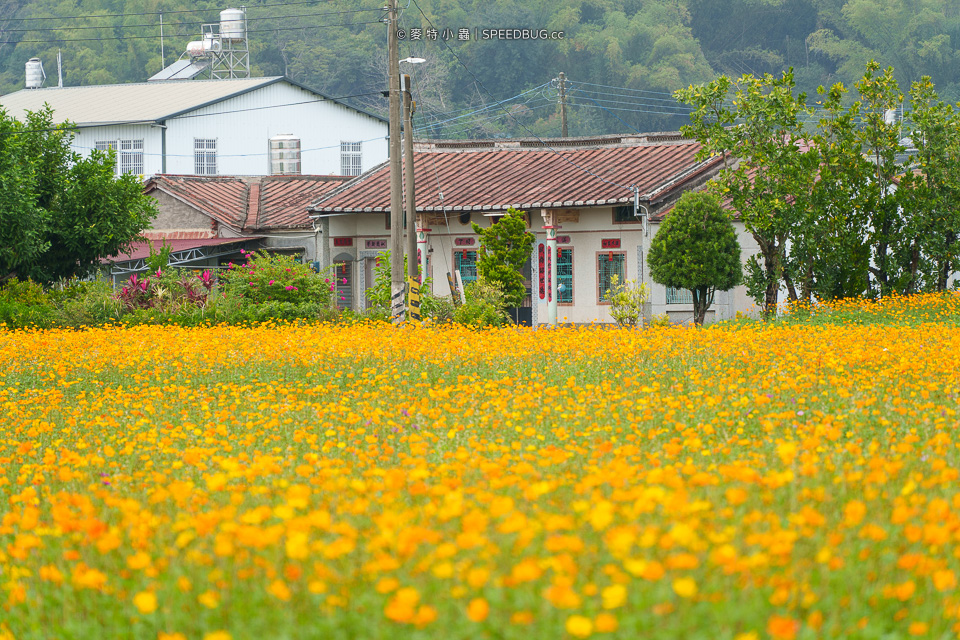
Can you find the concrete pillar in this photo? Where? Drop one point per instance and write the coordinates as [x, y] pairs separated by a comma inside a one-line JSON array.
[[422, 245], [550, 226], [324, 242]]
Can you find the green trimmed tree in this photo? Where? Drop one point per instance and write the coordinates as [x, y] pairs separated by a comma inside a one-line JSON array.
[[504, 248], [696, 249]]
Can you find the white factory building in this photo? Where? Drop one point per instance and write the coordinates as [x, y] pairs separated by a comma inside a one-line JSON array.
[[237, 126]]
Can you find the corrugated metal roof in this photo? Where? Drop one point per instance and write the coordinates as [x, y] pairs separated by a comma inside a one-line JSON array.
[[125, 103], [525, 178], [141, 101], [139, 250]]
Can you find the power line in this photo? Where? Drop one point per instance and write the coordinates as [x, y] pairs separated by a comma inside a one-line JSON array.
[[610, 112], [480, 84], [203, 115], [181, 24], [607, 86], [486, 108], [153, 37], [681, 109], [624, 95], [228, 155], [653, 111], [155, 13], [473, 123]]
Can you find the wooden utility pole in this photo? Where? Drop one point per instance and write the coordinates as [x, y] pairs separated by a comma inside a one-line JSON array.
[[408, 108], [396, 196], [563, 105]]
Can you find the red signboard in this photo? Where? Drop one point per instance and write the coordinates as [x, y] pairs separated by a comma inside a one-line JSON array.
[[376, 244], [343, 242], [541, 262], [464, 242], [610, 243], [563, 239]]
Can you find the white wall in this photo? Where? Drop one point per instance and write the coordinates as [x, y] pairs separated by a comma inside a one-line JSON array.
[[586, 238], [243, 126], [242, 136], [86, 140], [726, 304]]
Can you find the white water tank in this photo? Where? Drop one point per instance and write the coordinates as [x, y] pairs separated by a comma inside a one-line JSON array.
[[35, 74], [233, 24], [284, 155], [203, 48]]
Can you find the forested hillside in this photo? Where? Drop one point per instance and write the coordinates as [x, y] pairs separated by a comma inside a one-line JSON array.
[[622, 58]]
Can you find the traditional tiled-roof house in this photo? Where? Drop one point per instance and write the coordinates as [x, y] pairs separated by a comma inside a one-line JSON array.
[[598, 201], [208, 220]]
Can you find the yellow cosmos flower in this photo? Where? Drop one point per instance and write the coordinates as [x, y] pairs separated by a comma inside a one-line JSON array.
[[145, 602]]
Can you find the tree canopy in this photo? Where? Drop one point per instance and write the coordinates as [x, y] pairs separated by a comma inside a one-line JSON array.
[[61, 213], [863, 202], [696, 249], [505, 247]]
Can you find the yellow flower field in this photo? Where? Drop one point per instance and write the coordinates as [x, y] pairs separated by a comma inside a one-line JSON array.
[[791, 481]]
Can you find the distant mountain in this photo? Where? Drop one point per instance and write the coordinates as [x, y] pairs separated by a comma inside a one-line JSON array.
[[622, 58]]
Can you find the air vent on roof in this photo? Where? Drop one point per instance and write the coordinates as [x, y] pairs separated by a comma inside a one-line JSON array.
[[284, 155]]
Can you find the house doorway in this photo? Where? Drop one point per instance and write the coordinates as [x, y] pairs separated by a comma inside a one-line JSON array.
[[523, 315]]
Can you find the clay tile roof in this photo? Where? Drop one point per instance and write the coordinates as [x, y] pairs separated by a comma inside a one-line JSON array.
[[222, 198], [284, 199], [253, 206], [270, 202], [525, 176]]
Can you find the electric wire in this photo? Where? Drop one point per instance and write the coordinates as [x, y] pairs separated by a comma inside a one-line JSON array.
[[201, 115], [120, 38], [180, 24], [582, 87], [222, 155], [488, 107], [155, 13], [462, 127], [611, 113], [436, 172], [480, 84]]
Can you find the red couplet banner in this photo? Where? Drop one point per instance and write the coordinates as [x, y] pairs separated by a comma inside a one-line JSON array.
[[541, 264]]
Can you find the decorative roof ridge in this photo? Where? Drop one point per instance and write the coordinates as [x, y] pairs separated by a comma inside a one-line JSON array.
[[253, 205]]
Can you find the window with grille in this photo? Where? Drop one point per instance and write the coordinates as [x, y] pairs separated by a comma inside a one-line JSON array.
[[565, 275], [679, 296], [344, 276], [466, 262], [106, 145], [131, 156], [350, 158], [609, 265], [205, 156], [624, 214]]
